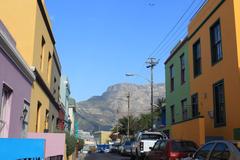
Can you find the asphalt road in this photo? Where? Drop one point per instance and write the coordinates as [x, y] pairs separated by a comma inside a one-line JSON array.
[[105, 156]]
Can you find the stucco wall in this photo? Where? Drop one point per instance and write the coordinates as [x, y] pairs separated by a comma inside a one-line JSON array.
[[10, 75], [27, 26], [181, 91], [190, 130], [54, 145], [227, 69], [21, 148]]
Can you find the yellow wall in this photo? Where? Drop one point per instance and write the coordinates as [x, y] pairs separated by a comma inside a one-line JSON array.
[[193, 130], [25, 22], [105, 137], [227, 69]]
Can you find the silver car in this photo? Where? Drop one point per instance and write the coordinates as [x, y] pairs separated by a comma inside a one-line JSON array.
[[218, 150]]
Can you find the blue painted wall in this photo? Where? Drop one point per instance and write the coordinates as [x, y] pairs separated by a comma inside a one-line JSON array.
[[18, 149]]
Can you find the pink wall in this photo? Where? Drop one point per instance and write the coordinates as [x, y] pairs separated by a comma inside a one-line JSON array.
[[55, 142]]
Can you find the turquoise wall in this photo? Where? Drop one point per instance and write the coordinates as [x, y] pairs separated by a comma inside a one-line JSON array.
[[12, 149]]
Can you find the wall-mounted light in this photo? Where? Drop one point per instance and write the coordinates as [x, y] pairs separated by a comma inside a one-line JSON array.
[[210, 114]]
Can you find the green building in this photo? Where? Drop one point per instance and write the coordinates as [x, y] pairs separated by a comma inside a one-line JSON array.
[[177, 79]]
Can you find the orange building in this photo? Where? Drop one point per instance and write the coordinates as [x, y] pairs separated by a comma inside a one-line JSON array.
[[214, 60]]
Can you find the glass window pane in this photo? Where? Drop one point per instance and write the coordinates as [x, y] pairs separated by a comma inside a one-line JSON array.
[[220, 152], [203, 153]]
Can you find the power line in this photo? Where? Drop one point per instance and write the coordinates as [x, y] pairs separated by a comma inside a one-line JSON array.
[[160, 45], [173, 28], [182, 32]]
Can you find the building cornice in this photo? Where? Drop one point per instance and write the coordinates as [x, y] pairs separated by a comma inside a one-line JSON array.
[[44, 15], [206, 19], [57, 61], [9, 48], [176, 49], [45, 88]]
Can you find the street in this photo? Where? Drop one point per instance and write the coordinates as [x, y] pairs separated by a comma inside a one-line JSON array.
[[105, 156]]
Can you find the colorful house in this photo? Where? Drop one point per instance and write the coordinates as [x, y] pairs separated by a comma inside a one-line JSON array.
[[16, 80], [102, 137], [178, 101], [214, 58], [30, 26], [64, 97]]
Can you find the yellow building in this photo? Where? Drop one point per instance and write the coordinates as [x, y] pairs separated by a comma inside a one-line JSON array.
[[102, 137], [214, 58], [30, 26]]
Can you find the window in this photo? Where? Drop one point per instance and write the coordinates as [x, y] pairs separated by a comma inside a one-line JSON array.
[[49, 66], [197, 59], [5, 104], [216, 42], [42, 53], [157, 146], [163, 146], [183, 65], [203, 153], [151, 137], [184, 146], [219, 104], [172, 78], [46, 119], [195, 111], [52, 123], [173, 114], [163, 117], [25, 118], [39, 105], [184, 109], [220, 152]]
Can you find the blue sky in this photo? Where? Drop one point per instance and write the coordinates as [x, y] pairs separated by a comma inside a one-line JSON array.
[[98, 41]]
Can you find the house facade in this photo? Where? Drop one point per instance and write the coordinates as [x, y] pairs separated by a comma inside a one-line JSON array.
[[214, 81], [16, 80], [178, 101], [30, 26], [214, 54], [65, 96]]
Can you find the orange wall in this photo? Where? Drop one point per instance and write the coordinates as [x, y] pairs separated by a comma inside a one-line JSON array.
[[190, 130], [227, 69]]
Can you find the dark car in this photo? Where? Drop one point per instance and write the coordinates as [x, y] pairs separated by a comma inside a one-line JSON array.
[[126, 148], [218, 150], [172, 149]]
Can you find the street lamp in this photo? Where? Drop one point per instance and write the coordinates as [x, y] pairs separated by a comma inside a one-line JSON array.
[[151, 82]]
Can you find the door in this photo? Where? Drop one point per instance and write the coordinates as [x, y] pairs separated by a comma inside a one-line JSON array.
[[155, 149], [160, 154], [4, 110], [204, 152]]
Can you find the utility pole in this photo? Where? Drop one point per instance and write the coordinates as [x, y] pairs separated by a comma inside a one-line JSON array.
[[128, 96], [151, 63]]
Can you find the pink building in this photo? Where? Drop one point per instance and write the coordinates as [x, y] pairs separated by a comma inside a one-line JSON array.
[[16, 80], [54, 144]]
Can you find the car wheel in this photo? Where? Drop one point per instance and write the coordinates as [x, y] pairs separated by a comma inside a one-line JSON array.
[[138, 157]]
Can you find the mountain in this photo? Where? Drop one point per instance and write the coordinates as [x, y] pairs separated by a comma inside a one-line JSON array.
[[102, 112]]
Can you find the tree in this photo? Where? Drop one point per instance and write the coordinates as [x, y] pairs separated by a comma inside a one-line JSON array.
[[80, 144], [144, 121], [123, 125], [71, 143]]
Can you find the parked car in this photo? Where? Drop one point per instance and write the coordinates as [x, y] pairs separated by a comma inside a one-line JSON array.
[[217, 150], [144, 141], [115, 148], [171, 150], [125, 148]]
